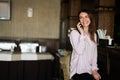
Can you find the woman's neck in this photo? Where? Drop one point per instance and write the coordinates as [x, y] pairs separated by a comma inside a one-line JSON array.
[[86, 30]]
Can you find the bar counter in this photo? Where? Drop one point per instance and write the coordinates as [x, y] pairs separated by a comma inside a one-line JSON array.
[[16, 56], [109, 62], [26, 66]]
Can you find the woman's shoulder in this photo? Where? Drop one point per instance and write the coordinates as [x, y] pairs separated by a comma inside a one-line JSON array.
[[74, 32], [95, 37]]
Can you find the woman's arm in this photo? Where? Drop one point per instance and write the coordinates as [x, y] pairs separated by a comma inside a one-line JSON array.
[[77, 41], [95, 74]]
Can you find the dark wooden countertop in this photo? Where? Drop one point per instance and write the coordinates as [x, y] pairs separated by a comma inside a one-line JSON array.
[[110, 49]]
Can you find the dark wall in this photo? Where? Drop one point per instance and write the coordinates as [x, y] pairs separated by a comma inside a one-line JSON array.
[[117, 23]]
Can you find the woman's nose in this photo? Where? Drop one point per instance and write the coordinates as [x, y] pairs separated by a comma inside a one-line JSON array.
[[83, 19]]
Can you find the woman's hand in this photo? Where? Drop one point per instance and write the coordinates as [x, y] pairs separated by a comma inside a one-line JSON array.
[[80, 28], [96, 75]]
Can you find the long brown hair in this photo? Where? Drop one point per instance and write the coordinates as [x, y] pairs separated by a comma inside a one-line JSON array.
[[91, 28]]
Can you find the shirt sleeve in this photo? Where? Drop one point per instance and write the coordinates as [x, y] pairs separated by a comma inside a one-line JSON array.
[[77, 41], [94, 59], [95, 37]]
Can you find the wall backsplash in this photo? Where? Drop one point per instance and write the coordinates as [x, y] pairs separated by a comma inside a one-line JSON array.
[[44, 23]]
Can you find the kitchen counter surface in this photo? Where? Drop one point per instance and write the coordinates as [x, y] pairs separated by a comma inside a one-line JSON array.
[[17, 56]]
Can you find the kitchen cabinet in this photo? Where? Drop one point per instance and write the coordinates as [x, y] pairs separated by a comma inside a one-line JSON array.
[[108, 62], [26, 70], [16, 68]]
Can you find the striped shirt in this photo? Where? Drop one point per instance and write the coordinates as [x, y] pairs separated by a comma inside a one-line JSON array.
[[84, 54]]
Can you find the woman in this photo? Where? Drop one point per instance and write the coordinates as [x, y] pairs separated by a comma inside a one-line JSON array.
[[83, 65]]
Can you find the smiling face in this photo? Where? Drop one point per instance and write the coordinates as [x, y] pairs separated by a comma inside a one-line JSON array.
[[84, 19]]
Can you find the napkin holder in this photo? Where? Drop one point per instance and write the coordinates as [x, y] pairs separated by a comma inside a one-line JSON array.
[[105, 42]]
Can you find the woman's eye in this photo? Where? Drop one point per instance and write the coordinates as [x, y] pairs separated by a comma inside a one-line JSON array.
[[81, 17]]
